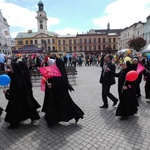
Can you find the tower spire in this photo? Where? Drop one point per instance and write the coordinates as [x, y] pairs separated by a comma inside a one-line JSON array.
[[108, 26]]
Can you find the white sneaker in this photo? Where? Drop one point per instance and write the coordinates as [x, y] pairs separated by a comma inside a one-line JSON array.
[[35, 122]]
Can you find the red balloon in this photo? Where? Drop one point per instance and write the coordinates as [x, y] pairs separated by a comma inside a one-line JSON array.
[[131, 75]]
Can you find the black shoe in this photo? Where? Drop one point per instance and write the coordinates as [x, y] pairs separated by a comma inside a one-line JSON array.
[[76, 120], [13, 126], [104, 106], [124, 118], [1, 110], [115, 103]]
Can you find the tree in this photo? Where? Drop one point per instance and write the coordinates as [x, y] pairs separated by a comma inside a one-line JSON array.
[[108, 50], [137, 43]]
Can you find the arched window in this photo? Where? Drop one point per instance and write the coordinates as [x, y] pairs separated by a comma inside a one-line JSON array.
[[41, 26], [85, 41], [80, 41], [90, 41]]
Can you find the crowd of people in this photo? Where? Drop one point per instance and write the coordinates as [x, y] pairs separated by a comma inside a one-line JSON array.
[[128, 91], [58, 104]]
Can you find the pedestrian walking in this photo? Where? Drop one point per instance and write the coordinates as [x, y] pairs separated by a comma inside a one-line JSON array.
[[19, 105], [107, 79], [58, 104], [128, 104]]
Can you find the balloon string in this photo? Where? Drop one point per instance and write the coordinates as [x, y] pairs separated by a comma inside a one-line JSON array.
[[123, 86]]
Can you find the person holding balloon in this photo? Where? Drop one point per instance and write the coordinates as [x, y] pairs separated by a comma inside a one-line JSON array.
[[128, 104], [19, 105]]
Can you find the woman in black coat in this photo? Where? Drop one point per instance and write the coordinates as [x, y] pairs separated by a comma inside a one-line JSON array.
[[58, 105], [19, 105], [128, 104]]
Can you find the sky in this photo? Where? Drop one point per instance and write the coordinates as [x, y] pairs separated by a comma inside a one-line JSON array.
[[74, 16]]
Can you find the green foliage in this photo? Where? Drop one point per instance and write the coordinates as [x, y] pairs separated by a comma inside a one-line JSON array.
[[137, 43]]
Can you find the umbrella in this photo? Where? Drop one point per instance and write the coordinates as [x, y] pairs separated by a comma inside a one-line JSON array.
[[50, 71], [2, 58]]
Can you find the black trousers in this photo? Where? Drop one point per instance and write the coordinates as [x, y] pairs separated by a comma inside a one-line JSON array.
[[106, 93]]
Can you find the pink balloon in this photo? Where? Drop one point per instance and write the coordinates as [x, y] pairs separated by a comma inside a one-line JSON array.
[[131, 75]]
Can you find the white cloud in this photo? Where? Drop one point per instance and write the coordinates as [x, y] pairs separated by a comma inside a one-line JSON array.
[[24, 18], [67, 30], [123, 13]]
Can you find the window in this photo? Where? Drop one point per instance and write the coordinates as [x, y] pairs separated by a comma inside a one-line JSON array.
[[90, 41], [94, 47], [70, 48], [53, 41], [94, 40], [85, 48], [41, 26], [64, 48], [64, 42], [114, 46], [59, 42], [59, 48], [99, 47], [54, 48], [103, 47], [99, 40], [74, 41], [114, 39], [74, 48], [90, 48], [80, 48], [85, 41], [42, 41], [26, 41], [35, 41], [70, 41], [49, 48], [31, 41], [103, 40], [20, 43], [80, 41], [109, 40], [49, 41]]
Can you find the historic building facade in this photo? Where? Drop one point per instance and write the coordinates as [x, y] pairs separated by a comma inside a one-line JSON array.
[[92, 41], [42, 38], [5, 39], [134, 31], [147, 30]]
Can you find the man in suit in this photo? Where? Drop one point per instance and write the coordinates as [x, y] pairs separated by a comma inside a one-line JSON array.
[[107, 80]]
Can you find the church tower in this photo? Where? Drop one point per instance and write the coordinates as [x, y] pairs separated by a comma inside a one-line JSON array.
[[41, 18]]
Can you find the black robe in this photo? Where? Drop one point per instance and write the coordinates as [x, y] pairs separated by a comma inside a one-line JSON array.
[[19, 105], [58, 105], [147, 84], [27, 79], [128, 104]]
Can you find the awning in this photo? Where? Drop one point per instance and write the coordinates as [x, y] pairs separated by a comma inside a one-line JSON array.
[[29, 49]]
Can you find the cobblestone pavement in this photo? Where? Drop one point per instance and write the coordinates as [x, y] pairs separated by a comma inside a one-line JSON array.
[[99, 130]]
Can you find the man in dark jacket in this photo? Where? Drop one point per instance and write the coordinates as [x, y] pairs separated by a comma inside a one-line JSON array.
[[107, 80]]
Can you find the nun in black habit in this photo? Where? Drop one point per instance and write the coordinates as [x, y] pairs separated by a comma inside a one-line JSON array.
[[58, 105], [20, 106], [128, 104], [27, 78]]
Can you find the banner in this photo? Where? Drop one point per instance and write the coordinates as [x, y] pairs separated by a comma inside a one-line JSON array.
[[140, 68]]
